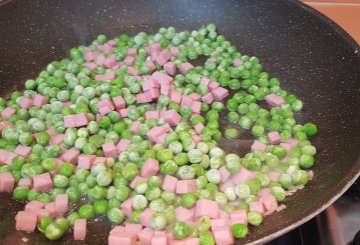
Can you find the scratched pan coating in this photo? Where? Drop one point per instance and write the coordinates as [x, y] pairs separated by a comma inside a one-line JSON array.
[[313, 57]]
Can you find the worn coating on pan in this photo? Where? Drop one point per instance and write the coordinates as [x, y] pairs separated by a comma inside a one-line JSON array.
[[312, 57]]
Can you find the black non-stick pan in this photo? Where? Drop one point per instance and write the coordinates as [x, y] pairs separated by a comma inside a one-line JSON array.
[[314, 58]]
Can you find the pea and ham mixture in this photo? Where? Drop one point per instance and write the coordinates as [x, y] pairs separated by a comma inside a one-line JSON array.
[[129, 129]]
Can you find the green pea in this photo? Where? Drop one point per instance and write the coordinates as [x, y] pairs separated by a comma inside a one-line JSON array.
[[87, 211]]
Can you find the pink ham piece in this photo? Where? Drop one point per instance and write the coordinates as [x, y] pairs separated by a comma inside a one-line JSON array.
[[292, 142], [100, 160], [196, 106], [143, 98], [42, 182], [70, 155], [62, 204], [207, 98], [7, 182], [269, 203], [152, 115], [129, 60], [122, 238], [185, 186], [274, 100], [207, 207], [134, 128], [164, 90], [237, 62], [146, 235], [220, 93], [80, 229], [146, 216], [133, 71], [4, 124], [161, 78], [25, 103], [273, 176], [89, 55], [123, 145], [258, 146], [213, 85], [119, 102], [127, 207], [172, 117], [154, 47], [238, 217], [150, 64], [85, 161], [256, 207], [161, 139], [184, 214], [192, 241], [10, 156], [150, 168], [163, 57], [40, 100], [149, 84], [186, 101], [132, 52], [133, 228], [8, 112], [23, 150], [81, 119], [136, 180], [109, 62], [185, 67], [223, 236], [195, 96], [175, 97], [26, 182], [99, 59], [217, 224], [34, 205], [170, 68], [159, 240], [117, 230], [175, 51], [196, 138], [57, 139], [124, 113], [155, 132], [90, 65], [169, 183], [225, 174], [199, 127], [109, 149], [51, 208], [223, 214], [105, 106], [242, 176], [264, 192], [26, 221], [274, 138]]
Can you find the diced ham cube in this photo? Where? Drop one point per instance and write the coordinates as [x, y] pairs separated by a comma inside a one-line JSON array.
[[269, 202], [192, 241], [57, 139], [164, 89], [4, 124], [256, 207], [219, 224], [207, 98], [8, 112], [23, 150], [207, 207], [42, 182], [185, 67], [117, 230], [143, 98], [175, 51], [146, 235], [62, 204], [133, 228], [220, 93], [154, 47], [134, 128], [10, 156], [132, 52], [26, 182], [123, 145], [133, 71], [150, 168], [124, 113], [185, 186], [161, 139], [152, 115], [170, 68], [149, 84], [223, 236], [195, 96], [86, 161], [69, 121], [264, 192], [99, 60], [109, 62], [40, 100], [225, 174], [175, 97], [81, 119], [70, 155], [34, 205], [123, 239], [90, 65], [150, 64], [274, 138], [7, 182], [274, 100], [26, 221], [119, 102], [40, 213], [237, 62], [155, 132], [129, 60], [196, 138], [80, 229], [136, 180], [172, 117], [292, 142], [169, 183], [258, 146], [163, 57], [109, 149], [198, 128], [25, 103], [242, 176], [90, 55], [274, 176], [146, 216], [159, 240], [100, 160], [186, 101], [162, 78], [127, 206], [238, 217], [184, 214], [196, 106], [105, 106]]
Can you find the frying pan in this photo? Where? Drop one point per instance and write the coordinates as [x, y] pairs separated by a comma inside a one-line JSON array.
[[312, 56]]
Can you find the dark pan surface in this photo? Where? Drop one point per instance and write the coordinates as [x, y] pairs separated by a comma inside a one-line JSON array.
[[312, 56]]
